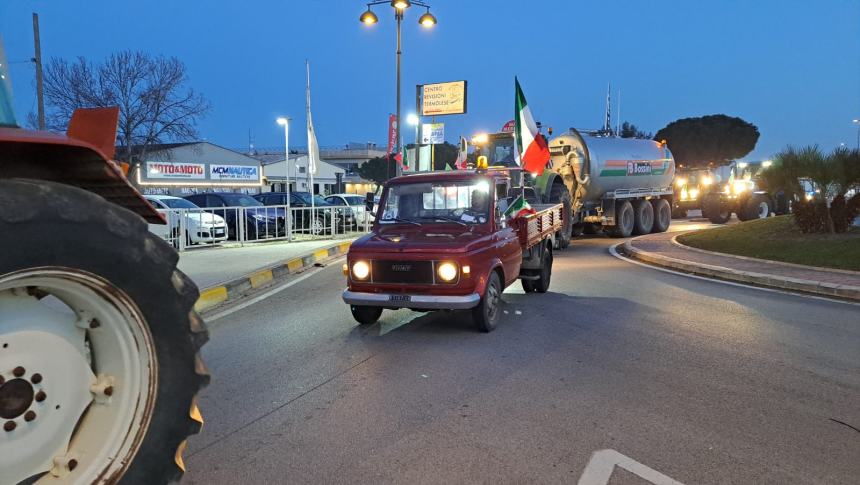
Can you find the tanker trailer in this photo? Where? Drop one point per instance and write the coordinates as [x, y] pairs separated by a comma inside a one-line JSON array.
[[620, 185], [99, 341]]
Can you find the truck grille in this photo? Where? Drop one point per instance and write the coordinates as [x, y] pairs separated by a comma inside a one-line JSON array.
[[409, 272]]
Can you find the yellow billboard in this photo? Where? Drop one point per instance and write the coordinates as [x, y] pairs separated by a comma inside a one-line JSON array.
[[443, 98]]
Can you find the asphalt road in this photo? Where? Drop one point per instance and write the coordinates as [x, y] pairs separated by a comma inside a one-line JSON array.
[[701, 381]]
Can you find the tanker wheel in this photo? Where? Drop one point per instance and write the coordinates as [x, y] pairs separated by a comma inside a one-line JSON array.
[[98, 342], [662, 215], [643, 220], [560, 195], [624, 220]]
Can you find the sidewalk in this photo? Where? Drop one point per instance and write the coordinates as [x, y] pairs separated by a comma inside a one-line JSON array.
[[208, 266], [662, 250]]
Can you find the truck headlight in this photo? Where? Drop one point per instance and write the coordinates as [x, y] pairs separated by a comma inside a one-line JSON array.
[[680, 182], [739, 186], [694, 193], [360, 270], [706, 181], [447, 271]]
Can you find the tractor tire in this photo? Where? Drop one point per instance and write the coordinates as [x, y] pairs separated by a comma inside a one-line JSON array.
[[624, 220], [679, 213], [662, 215], [716, 211], [757, 206], [560, 194], [486, 314], [133, 308], [365, 315], [643, 217]]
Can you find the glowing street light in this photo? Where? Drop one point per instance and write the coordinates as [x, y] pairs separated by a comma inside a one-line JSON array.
[[427, 20]]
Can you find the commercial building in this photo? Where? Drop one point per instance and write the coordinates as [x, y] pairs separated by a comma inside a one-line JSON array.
[[326, 179], [188, 168]]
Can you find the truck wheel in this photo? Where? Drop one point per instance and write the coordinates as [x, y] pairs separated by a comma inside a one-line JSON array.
[[624, 220], [100, 341], [679, 213], [718, 213], [758, 206], [560, 195], [486, 314], [643, 217], [542, 283], [365, 315], [528, 285], [662, 215]]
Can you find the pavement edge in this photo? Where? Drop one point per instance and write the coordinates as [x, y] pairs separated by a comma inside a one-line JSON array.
[[214, 296], [845, 292]]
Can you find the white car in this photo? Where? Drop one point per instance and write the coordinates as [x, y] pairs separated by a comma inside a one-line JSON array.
[[354, 202], [200, 226]]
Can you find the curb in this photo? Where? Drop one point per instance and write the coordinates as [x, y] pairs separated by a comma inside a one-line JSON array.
[[830, 290], [236, 288]]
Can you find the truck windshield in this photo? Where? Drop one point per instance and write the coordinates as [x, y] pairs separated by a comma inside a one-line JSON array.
[[463, 202], [500, 151]]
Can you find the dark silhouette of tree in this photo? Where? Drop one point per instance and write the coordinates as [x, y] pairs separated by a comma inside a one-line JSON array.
[[375, 170], [155, 104], [629, 130], [696, 142]]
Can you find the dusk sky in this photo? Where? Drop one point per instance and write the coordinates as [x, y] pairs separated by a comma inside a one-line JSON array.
[[790, 67]]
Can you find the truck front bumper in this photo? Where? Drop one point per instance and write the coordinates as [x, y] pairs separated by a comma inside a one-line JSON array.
[[420, 302]]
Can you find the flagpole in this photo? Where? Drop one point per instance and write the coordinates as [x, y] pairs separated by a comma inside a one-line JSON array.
[[311, 161]]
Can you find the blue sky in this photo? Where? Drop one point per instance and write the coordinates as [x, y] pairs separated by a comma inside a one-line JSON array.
[[791, 67]]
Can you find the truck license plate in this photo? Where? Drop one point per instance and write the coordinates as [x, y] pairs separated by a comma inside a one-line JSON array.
[[399, 297]]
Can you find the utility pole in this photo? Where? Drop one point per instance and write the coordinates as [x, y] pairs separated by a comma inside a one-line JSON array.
[[40, 97]]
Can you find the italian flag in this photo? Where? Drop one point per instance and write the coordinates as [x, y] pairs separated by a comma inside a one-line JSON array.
[[530, 144], [519, 208]]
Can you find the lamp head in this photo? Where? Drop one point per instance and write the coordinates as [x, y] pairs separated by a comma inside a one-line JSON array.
[[283, 121], [401, 4], [427, 20], [368, 17]]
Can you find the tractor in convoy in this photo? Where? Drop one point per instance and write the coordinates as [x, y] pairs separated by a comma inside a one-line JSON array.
[[99, 340], [691, 186], [619, 186], [742, 196]]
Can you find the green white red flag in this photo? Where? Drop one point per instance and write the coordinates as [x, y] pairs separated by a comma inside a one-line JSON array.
[[519, 208], [531, 145]]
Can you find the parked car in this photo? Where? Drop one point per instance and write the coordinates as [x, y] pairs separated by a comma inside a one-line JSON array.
[[200, 226], [355, 203], [259, 221], [302, 218]]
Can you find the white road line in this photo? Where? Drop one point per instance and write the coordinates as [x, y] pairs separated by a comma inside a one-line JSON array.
[[599, 469], [615, 253], [267, 294]]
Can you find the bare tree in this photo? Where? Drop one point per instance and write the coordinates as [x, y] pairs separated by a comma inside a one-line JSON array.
[[155, 106]]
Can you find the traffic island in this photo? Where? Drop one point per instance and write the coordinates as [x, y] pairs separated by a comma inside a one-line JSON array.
[[225, 293], [666, 251]]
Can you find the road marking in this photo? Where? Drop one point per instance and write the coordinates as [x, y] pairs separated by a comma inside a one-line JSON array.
[[615, 253], [267, 294], [599, 469]]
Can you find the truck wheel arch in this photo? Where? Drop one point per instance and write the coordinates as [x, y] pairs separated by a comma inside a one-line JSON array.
[[495, 266]]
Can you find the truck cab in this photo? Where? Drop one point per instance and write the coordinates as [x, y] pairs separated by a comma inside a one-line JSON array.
[[442, 241]]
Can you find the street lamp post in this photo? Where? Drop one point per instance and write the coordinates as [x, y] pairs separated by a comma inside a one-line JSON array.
[[285, 122], [426, 20], [857, 122]]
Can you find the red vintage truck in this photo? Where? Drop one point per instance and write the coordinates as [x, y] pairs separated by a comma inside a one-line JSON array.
[[444, 241]]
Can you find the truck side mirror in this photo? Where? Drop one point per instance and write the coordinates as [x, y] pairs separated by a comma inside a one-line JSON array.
[[368, 202]]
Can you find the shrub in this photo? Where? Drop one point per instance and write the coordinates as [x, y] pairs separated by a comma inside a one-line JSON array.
[[810, 216]]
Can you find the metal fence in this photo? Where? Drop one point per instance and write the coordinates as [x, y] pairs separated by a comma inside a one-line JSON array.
[[187, 228]]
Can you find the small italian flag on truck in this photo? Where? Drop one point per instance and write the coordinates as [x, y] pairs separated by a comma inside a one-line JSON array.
[[519, 208]]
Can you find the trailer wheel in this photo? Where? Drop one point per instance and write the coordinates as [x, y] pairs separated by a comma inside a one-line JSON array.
[[365, 315], [643, 220], [662, 215], [560, 195], [624, 220], [528, 285], [758, 206], [717, 212], [100, 330], [486, 314]]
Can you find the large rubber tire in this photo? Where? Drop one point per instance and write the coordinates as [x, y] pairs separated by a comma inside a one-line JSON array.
[[365, 315], [717, 212], [679, 213], [591, 228], [662, 215], [486, 314], [757, 206], [545, 274], [624, 220], [560, 194], [46, 224], [528, 285], [643, 217]]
